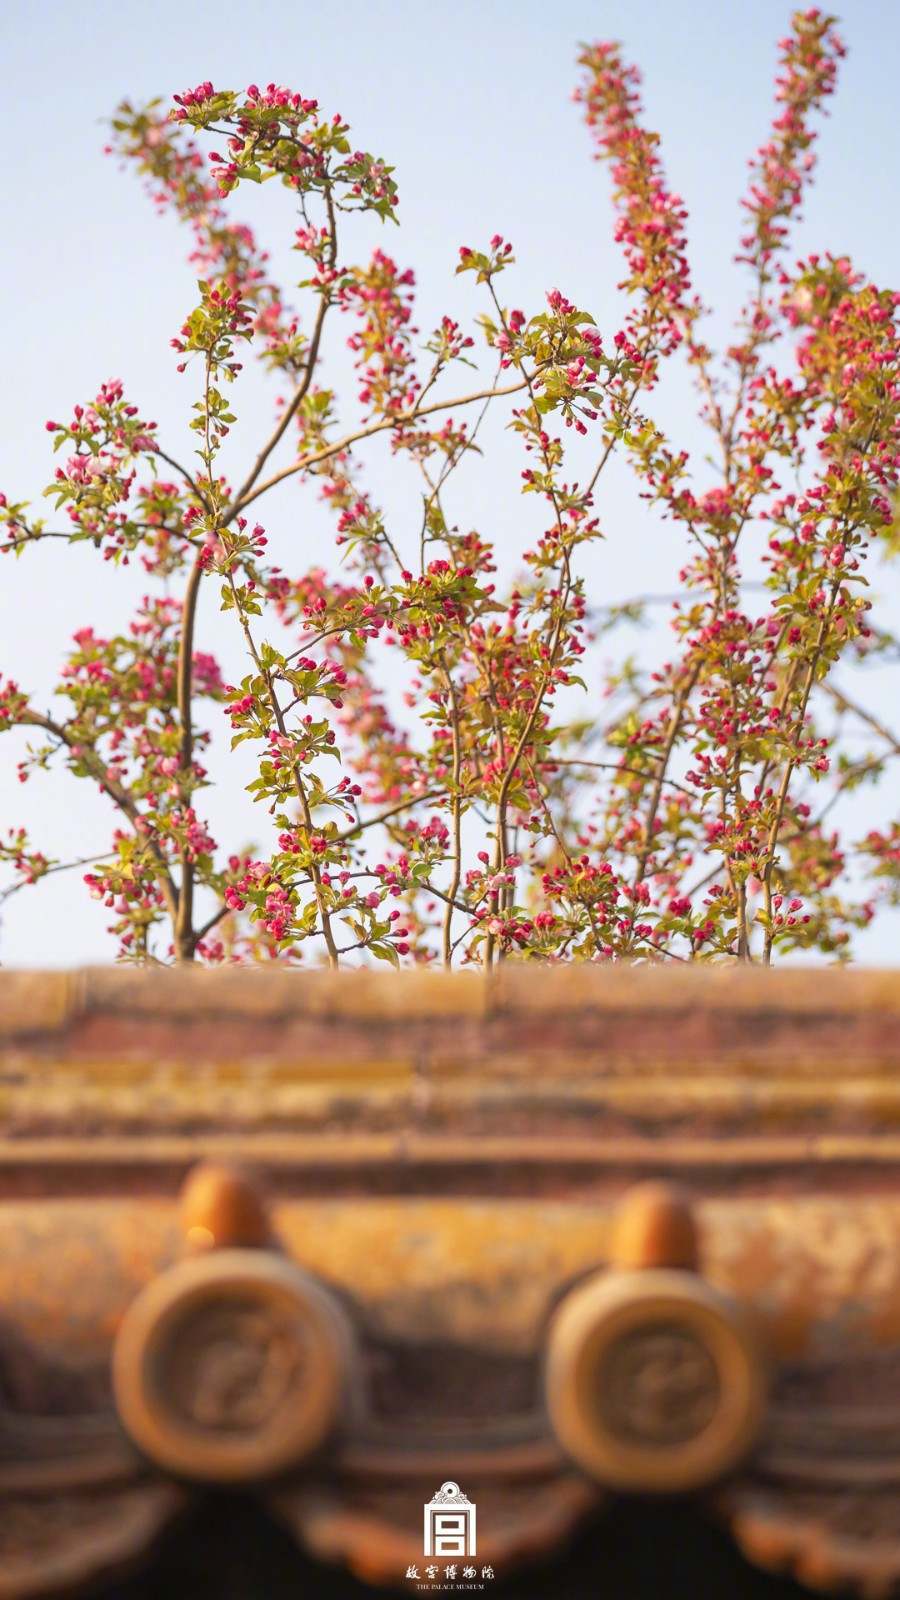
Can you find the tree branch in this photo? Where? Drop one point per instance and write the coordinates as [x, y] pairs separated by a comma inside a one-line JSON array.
[[368, 432], [119, 796]]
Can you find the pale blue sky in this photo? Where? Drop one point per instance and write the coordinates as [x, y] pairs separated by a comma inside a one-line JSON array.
[[471, 102]]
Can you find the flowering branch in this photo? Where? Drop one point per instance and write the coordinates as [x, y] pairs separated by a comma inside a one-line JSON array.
[[518, 799]]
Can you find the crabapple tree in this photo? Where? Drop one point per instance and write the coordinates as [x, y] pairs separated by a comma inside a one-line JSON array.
[[526, 808]]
